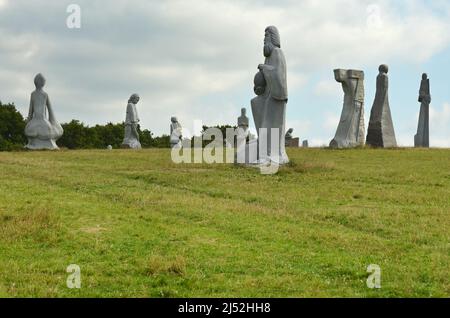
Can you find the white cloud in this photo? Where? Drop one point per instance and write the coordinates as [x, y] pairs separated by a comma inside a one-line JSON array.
[[440, 126]]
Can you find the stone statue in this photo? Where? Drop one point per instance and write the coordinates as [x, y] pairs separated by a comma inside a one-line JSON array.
[[305, 144], [41, 130], [243, 121], [175, 133], [381, 129], [289, 139], [269, 107], [131, 140], [422, 139], [351, 129]]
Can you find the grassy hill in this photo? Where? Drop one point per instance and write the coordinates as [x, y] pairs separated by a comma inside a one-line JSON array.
[[140, 226]]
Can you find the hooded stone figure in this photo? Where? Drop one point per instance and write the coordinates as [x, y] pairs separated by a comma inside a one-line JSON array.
[[422, 138], [269, 108], [41, 130], [131, 140]]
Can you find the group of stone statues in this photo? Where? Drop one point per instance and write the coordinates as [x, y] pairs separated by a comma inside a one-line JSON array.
[[269, 113], [381, 133]]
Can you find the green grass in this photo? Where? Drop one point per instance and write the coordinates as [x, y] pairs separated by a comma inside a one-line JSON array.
[[140, 226]]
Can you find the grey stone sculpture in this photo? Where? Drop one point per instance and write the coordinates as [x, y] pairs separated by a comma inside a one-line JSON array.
[[269, 107], [243, 121], [131, 140], [41, 130], [305, 144], [351, 129], [175, 133], [422, 139], [381, 129], [289, 139]]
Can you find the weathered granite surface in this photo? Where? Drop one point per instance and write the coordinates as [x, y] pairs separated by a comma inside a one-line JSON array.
[[422, 138]]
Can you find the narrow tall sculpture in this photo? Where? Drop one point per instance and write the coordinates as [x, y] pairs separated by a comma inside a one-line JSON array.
[[131, 140], [422, 139], [175, 133], [269, 107], [351, 130], [381, 129], [41, 130]]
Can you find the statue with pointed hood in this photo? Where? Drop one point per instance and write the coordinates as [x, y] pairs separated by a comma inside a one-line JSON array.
[[269, 107], [131, 140], [422, 138], [42, 129]]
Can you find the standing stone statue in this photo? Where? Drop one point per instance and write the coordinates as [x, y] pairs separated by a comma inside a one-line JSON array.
[[305, 144], [422, 139], [381, 129], [131, 140], [175, 133], [351, 129], [269, 107], [243, 122], [41, 130]]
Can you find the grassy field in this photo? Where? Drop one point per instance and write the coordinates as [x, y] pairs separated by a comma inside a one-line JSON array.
[[140, 226]]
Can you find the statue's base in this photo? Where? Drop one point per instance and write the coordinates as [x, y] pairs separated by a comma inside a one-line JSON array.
[[249, 155], [131, 145], [293, 143], [40, 144]]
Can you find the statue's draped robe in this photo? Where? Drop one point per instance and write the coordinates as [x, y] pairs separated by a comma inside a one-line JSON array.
[[41, 130], [131, 139], [381, 128], [269, 109], [422, 138]]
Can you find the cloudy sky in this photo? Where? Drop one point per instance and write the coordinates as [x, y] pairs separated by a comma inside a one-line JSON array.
[[196, 59]]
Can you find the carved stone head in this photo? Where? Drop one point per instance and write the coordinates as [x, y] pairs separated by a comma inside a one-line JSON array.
[[174, 120], [383, 68], [134, 99], [39, 81], [271, 40]]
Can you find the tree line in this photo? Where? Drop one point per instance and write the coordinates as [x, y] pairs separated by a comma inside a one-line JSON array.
[[77, 135]]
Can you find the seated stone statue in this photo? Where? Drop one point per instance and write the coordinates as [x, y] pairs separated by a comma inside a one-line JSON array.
[[131, 140], [42, 131], [175, 133]]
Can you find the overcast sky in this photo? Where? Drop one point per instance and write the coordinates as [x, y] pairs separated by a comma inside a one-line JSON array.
[[196, 59]]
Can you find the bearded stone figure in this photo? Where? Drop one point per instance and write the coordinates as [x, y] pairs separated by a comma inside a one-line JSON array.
[[269, 107]]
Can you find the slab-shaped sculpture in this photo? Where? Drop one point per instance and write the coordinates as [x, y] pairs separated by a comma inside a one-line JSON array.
[[422, 138], [351, 130], [381, 128], [269, 107], [131, 140], [175, 133], [41, 130], [305, 144]]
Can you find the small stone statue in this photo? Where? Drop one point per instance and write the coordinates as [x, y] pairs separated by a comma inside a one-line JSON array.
[[305, 144], [269, 107], [381, 129], [243, 123], [131, 140], [175, 133], [289, 136], [351, 129], [422, 139], [42, 131]]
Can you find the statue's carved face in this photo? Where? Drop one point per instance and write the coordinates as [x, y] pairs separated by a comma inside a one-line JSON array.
[[39, 81], [243, 111], [268, 45]]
